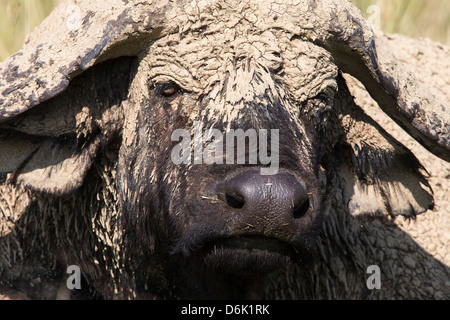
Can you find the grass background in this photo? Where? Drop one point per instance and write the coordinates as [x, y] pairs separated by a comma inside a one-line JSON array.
[[415, 18]]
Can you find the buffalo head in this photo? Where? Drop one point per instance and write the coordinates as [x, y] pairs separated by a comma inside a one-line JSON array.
[[229, 122]]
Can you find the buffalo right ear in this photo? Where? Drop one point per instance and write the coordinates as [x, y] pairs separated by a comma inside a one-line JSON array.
[[377, 174], [51, 147]]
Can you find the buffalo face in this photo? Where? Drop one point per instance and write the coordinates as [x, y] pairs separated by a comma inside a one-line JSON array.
[[222, 132], [232, 170]]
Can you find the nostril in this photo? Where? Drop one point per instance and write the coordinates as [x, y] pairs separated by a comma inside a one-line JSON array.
[[301, 209], [280, 195], [234, 200]]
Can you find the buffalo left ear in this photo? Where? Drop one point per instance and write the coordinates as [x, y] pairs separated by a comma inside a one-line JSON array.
[[377, 173], [51, 147], [51, 165], [61, 95]]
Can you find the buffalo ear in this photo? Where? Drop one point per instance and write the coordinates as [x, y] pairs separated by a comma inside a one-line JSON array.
[[377, 173], [51, 147], [60, 95], [57, 167]]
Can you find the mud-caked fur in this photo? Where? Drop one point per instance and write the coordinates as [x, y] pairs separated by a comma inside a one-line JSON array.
[[89, 178]]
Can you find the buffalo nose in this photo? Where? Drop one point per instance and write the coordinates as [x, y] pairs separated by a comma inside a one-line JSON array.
[[279, 197]]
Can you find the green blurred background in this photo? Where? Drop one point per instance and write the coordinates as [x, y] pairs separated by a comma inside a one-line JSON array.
[[415, 18]]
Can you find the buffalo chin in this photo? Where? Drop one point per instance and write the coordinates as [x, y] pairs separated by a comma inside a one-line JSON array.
[[248, 255]]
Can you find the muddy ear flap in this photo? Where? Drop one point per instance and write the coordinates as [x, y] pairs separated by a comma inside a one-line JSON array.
[[44, 165], [62, 95], [52, 147], [377, 174], [340, 27], [423, 115]]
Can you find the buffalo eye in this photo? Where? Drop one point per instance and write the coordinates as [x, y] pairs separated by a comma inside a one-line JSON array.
[[168, 89]]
